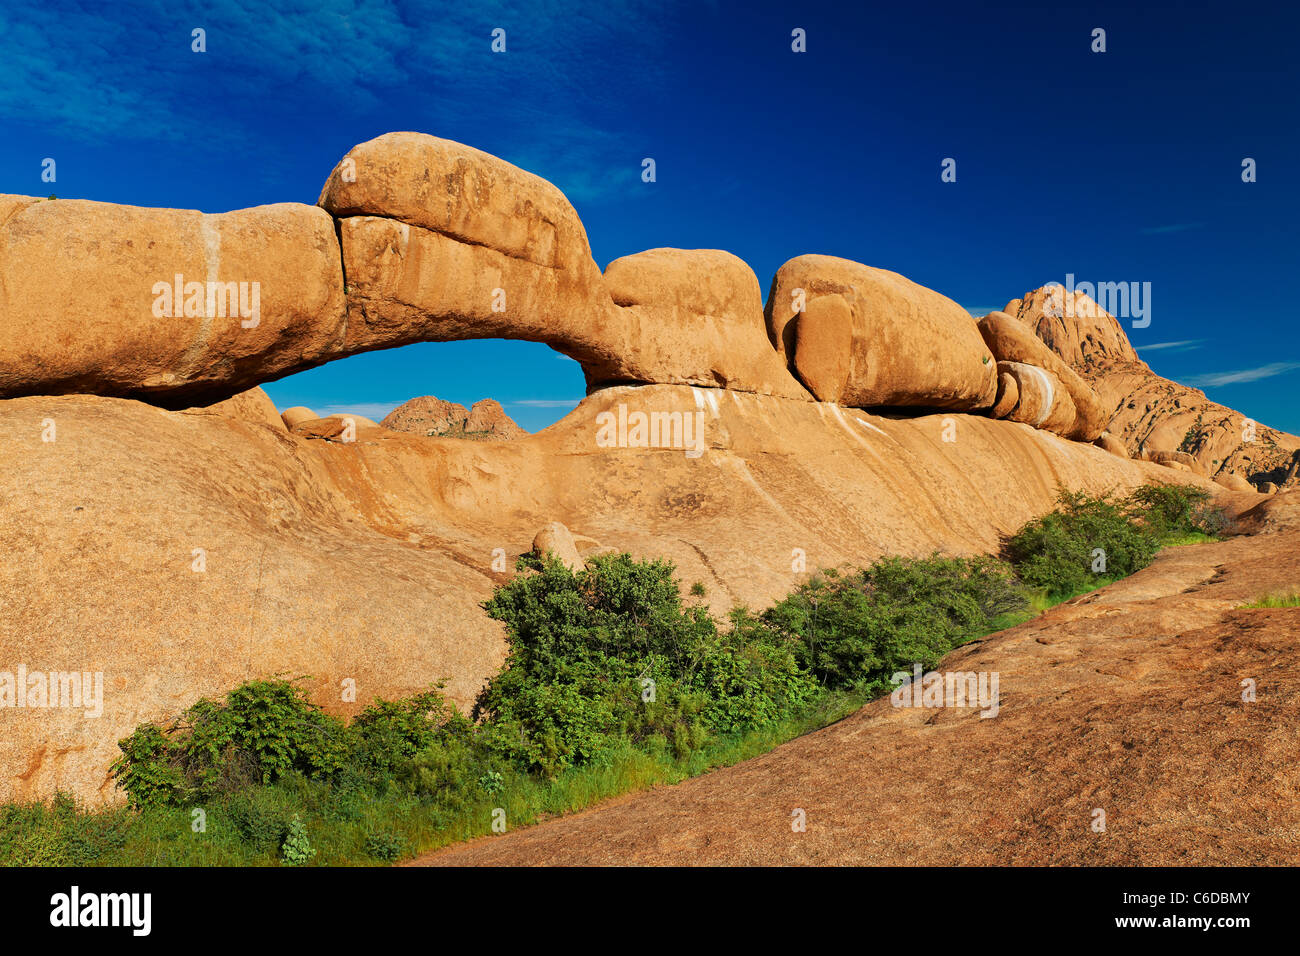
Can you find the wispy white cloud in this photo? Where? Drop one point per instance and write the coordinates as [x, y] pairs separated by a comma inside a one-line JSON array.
[[1215, 379], [1183, 346], [545, 402]]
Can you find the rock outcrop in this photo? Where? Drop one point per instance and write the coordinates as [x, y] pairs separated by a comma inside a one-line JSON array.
[[488, 418], [180, 554], [882, 340], [1075, 327]]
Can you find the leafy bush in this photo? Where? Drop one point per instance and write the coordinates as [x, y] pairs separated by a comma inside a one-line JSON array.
[[609, 654], [752, 676], [297, 848], [59, 834], [385, 845], [388, 734], [1169, 511], [263, 730], [1057, 552], [260, 824], [854, 629]]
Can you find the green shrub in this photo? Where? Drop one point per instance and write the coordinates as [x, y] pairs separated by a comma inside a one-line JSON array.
[[614, 608], [387, 734], [1058, 551], [752, 677], [582, 647], [60, 833], [1171, 511], [297, 848], [385, 845], [263, 730], [854, 629], [443, 772], [260, 823]]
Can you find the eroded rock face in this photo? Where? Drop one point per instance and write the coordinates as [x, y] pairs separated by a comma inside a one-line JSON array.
[[909, 346], [1074, 327], [171, 306]]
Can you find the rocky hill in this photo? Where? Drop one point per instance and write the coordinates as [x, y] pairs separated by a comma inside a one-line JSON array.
[[1152, 415], [166, 528], [429, 416]]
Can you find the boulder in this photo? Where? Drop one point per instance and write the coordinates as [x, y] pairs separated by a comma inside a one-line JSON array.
[[1234, 482], [1044, 401], [1008, 396], [907, 345], [1011, 341], [170, 306], [337, 428], [1175, 457], [695, 317], [1268, 488], [253, 406], [1112, 444], [824, 343], [296, 416], [556, 540]]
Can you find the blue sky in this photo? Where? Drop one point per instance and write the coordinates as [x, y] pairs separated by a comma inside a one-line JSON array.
[[1115, 166]]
